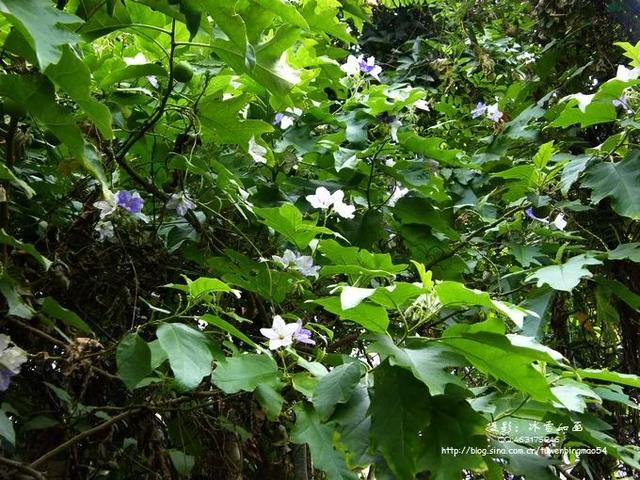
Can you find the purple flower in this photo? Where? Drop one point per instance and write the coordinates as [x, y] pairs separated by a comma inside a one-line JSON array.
[[623, 102], [530, 214], [278, 118], [302, 335], [5, 379], [131, 202], [481, 109]]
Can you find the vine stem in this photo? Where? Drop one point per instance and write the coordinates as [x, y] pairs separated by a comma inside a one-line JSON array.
[[87, 433], [466, 238], [22, 467]]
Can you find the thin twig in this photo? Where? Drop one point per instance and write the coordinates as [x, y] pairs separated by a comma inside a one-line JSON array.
[[22, 467]]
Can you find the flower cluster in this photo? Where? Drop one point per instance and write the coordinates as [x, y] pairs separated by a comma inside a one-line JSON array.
[[11, 360], [491, 111], [295, 261], [323, 199], [131, 202], [559, 221], [355, 65], [282, 334]]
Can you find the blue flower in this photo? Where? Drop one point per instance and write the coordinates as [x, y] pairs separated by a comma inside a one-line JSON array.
[[5, 379], [481, 109], [302, 335], [131, 202]]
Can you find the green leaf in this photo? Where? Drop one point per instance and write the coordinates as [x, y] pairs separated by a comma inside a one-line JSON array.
[[543, 155], [37, 94], [357, 261], [566, 276], [52, 308], [6, 428], [455, 293], [345, 158], [201, 286], [624, 251], [269, 66], [608, 376], [158, 355], [227, 327], [188, 351], [400, 410], [133, 358], [132, 71], [453, 424], [73, 77], [7, 239], [17, 306], [431, 148], [571, 395], [572, 171], [286, 11], [336, 387], [7, 174], [228, 20], [431, 363], [308, 429], [287, 220], [507, 358], [371, 317], [352, 422], [182, 462], [270, 400], [618, 181], [221, 120], [40, 23], [245, 373]]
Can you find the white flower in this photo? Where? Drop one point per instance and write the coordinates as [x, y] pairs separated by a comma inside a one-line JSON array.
[[104, 229], [181, 203], [397, 194], [559, 222], [13, 357], [108, 205], [422, 105], [389, 162], [288, 118], [351, 66], [139, 59], [355, 65], [393, 130], [304, 264], [301, 263], [341, 208], [322, 199], [280, 334], [625, 74], [257, 151], [287, 259], [494, 113]]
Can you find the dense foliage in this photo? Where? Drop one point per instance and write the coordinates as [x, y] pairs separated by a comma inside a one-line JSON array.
[[281, 239]]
